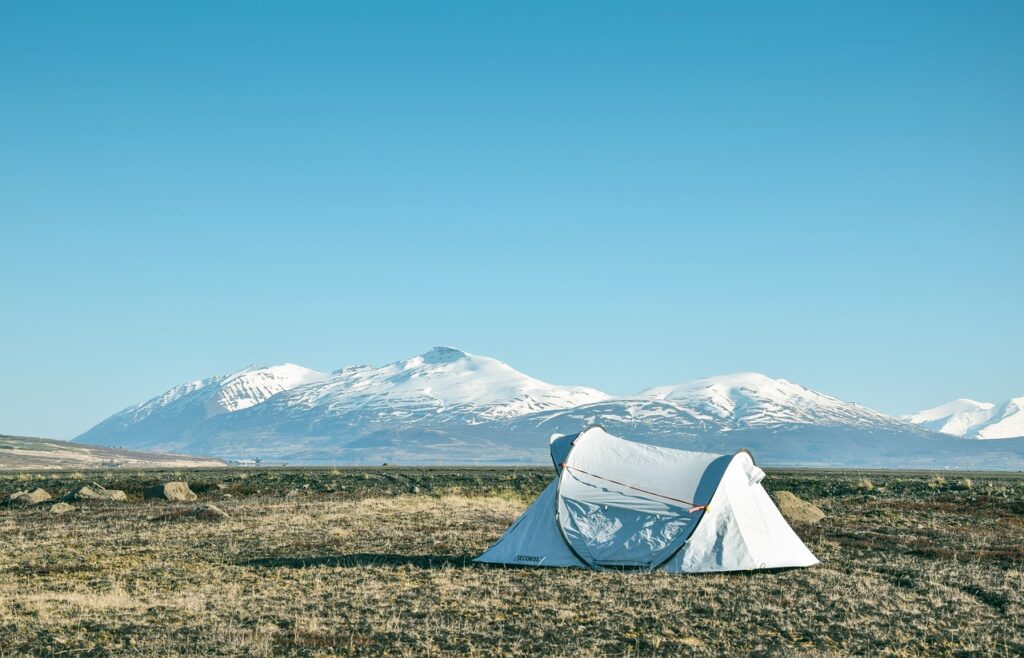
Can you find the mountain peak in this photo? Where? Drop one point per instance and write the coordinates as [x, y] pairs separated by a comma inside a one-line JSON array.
[[944, 411], [446, 404], [974, 420], [724, 384], [443, 354], [749, 399]]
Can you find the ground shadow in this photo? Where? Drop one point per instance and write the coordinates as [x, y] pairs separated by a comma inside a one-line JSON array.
[[362, 560], [438, 562]]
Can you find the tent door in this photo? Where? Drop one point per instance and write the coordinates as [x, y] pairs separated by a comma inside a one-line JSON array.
[[615, 536]]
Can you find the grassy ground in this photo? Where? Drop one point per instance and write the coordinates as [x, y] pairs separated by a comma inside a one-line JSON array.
[[377, 561]]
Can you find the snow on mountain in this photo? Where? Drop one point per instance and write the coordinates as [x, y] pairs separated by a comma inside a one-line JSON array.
[[448, 406], [444, 382], [1007, 421], [975, 420], [750, 399], [167, 418], [956, 417], [288, 403], [779, 419], [254, 385]]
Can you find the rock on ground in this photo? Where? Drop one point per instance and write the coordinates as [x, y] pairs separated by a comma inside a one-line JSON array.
[[29, 497], [796, 510], [205, 512], [170, 491], [62, 508], [94, 491], [209, 512]]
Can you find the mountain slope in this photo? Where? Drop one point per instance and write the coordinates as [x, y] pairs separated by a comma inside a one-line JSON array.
[[444, 382], [448, 406], [750, 399], [975, 420], [444, 386], [165, 420]]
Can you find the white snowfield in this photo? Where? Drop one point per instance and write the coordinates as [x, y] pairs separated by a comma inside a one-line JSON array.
[[975, 420], [443, 382], [449, 406], [227, 393], [750, 399]]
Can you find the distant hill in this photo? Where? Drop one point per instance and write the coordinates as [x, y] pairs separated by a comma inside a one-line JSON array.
[[29, 453], [450, 407], [975, 420]]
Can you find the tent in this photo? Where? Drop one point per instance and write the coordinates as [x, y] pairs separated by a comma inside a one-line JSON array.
[[617, 504]]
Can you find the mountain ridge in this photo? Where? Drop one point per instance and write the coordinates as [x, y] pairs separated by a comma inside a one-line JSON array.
[[971, 419], [450, 406]]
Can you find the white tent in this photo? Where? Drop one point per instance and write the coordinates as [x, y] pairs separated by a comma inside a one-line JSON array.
[[617, 504]]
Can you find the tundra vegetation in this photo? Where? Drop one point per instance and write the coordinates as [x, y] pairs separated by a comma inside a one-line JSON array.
[[377, 561]]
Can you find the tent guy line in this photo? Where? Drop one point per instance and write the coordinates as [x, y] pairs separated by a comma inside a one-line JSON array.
[[694, 507]]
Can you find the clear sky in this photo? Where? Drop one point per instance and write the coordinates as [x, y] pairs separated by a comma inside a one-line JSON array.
[[613, 194]]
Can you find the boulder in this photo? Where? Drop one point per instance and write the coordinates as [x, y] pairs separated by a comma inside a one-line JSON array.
[[796, 510], [29, 497], [94, 491], [205, 512], [169, 491], [209, 512], [62, 508]]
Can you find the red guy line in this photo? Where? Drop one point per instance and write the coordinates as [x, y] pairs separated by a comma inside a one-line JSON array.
[[694, 507]]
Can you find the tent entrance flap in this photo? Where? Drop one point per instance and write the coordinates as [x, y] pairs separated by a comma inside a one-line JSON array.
[[612, 535]]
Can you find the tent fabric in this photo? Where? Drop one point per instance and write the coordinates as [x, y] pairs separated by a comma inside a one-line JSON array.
[[618, 504], [534, 539]]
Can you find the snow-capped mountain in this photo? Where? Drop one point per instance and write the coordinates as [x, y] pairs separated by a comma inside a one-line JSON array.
[[750, 399], [441, 384], [168, 418], [975, 420], [288, 405], [448, 406]]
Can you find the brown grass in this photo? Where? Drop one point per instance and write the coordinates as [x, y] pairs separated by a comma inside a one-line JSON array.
[[356, 565]]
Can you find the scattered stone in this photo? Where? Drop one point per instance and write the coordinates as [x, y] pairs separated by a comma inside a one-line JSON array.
[[178, 491], [209, 512], [62, 508], [796, 510], [94, 491], [415, 489], [205, 512], [29, 497]]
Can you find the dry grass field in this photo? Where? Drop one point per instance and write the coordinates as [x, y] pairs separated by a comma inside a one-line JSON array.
[[378, 562]]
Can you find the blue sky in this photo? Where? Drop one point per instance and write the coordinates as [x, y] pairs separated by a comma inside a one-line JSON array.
[[613, 194]]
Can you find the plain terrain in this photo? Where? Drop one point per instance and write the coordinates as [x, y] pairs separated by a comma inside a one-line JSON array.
[[378, 561], [18, 453]]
